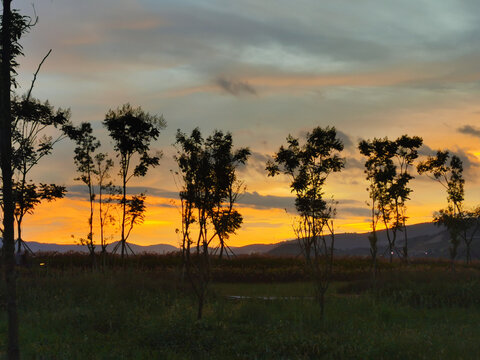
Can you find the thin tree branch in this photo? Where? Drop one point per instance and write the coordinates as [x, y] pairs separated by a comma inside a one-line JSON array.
[[36, 73]]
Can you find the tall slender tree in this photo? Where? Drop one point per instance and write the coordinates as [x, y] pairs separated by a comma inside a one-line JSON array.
[[308, 167], [20, 142], [106, 193], [87, 144], [13, 26], [227, 187], [406, 154], [132, 131], [375, 218], [381, 170]]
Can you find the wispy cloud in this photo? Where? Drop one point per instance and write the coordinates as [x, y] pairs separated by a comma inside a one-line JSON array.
[[469, 130]]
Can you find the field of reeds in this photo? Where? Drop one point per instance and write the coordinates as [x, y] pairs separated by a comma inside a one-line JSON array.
[[258, 308]]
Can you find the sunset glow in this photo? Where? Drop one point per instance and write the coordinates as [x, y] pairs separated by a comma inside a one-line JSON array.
[[238, 68]]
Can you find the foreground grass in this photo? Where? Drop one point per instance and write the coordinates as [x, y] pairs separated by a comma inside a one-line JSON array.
[[139, 315]]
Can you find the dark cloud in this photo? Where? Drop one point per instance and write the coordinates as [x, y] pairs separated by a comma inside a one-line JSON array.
[[354, 163], [469, 130], [81, 192], [349, 202], [353, 211], [249, 199], [256, 162], [347, 142], [234, 87], [258, 157], [258, 201], [77, 192], [426, 150], [470, 162], [346, 139]]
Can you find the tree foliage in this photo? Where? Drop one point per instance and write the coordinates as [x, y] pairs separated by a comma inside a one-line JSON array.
[[135, 212], [209, 191], [86, 145], [106, 195], [32, 121], [132, 131], [308, 167], [448, 174], [448, 171], [19, 25], [387, 169]]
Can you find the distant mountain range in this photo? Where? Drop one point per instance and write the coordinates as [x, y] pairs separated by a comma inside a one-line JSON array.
[[63, 248], [424, 240]]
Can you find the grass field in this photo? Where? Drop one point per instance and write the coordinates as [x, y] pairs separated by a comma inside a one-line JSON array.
[[414, 313]]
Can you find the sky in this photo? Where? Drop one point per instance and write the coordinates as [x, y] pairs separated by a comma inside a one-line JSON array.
[[261, 70]]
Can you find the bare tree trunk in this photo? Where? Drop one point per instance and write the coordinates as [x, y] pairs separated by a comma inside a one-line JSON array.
[[222, 247], [390, 242], [19, 234], [91, 245], [13, 349], [124, 200], [405, 246], [100, 218]]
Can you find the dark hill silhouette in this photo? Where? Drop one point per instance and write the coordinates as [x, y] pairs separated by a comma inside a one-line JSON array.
[[62, 248], [253, 249], [154, 249], [425, 240]]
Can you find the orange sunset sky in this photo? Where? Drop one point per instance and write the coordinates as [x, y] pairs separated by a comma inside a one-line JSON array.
[[261, 70]]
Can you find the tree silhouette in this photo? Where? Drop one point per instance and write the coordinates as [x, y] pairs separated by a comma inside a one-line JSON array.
[[308, 167], [87, 144], [471, 226], [103, 165], [450, 176], [375, 216], [387, 169], [13, 26], [132, 131], [32, 120], [406, 154], [225, 219], [27, 196], [135, 212], [209, 191]]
